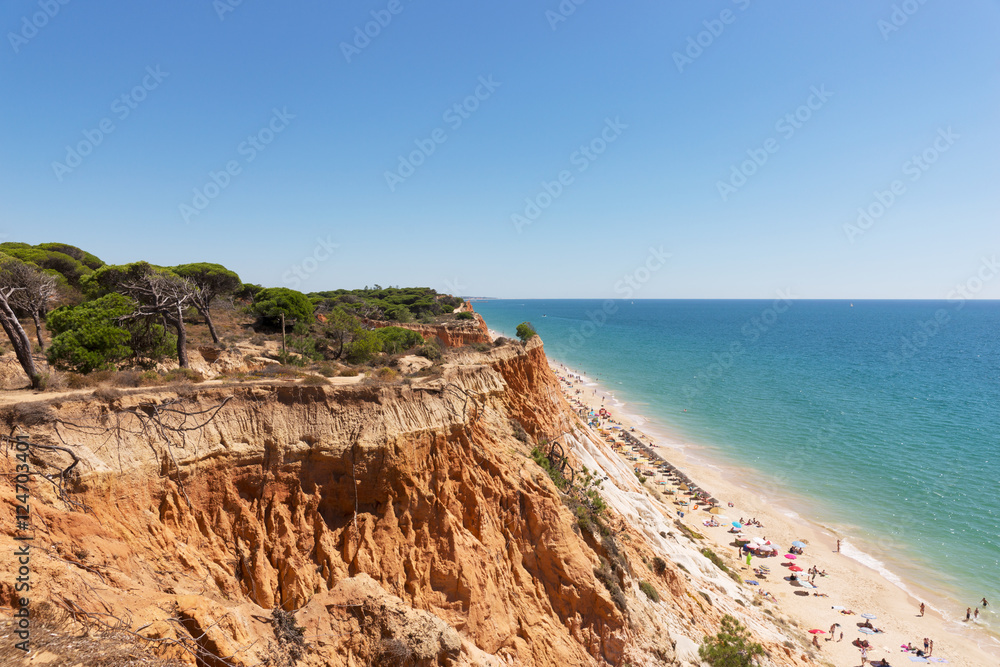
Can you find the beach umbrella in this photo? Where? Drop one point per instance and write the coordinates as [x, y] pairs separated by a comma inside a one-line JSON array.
[[816, 631], [758, 540], [798, 544], [870, 617], [791, 556], [737, 524], [795, 568], [866, 631]]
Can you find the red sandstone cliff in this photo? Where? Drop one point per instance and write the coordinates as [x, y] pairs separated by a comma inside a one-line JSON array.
[[401, 524]]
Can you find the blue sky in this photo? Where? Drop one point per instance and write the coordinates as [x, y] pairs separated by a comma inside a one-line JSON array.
[[252, 136]]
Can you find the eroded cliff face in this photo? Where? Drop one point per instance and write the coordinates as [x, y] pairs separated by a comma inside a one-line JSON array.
[[401, 524]]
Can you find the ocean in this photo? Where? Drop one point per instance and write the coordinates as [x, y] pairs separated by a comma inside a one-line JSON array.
[[877, 419]]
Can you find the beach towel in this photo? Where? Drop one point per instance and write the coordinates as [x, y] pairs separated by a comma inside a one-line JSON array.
[[916, 659]]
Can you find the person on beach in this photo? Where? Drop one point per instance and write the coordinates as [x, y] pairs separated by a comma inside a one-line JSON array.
[[985, 603], [841, 637], [926, 645], [838, 546], [968, 614], [921, 608], [975, 614], [931, 649], [816, 641]]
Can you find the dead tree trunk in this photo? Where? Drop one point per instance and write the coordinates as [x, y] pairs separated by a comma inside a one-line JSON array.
[[19, 339], [38, 330]]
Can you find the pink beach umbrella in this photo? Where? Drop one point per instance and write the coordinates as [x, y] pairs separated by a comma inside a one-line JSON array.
[[790, 556]]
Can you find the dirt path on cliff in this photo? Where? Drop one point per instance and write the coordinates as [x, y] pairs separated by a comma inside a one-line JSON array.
[[27, 395]]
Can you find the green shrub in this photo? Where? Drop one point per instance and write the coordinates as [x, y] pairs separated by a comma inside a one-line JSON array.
[[397, 339], [349, 373], [429, 350], [269, 304], [366, 344], [327, 370], [607, 577], [525, 331], [719, 563], [93, 336], [465, 315], [399, 314], [307, 346], [731, 647], [315, 380], [649, 590]]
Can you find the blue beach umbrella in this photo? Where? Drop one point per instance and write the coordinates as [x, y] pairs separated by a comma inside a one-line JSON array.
[[737, 524], [798, 544]]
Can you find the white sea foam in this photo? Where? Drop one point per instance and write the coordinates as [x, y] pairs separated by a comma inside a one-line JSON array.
[[870, 561]]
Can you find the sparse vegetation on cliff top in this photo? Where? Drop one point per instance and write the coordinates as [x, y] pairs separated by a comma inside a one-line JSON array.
[[138, 316]]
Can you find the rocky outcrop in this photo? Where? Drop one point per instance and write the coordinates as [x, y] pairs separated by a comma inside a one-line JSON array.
[[399, 522], [454, 333]]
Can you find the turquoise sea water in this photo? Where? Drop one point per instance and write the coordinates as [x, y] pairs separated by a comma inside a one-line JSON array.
[[880, 418]]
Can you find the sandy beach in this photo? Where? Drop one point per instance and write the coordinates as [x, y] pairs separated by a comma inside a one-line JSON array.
[[849, 585]]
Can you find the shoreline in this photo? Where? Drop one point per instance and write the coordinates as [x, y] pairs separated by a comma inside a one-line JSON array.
[[858, 580]]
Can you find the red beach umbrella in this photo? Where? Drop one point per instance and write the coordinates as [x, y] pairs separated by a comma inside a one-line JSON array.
[[816, 631], [795, 568]]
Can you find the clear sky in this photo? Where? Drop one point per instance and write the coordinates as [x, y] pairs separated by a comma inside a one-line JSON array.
[[739, 137]]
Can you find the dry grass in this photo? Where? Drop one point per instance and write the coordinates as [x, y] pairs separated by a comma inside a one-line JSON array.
[[53, 632]]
